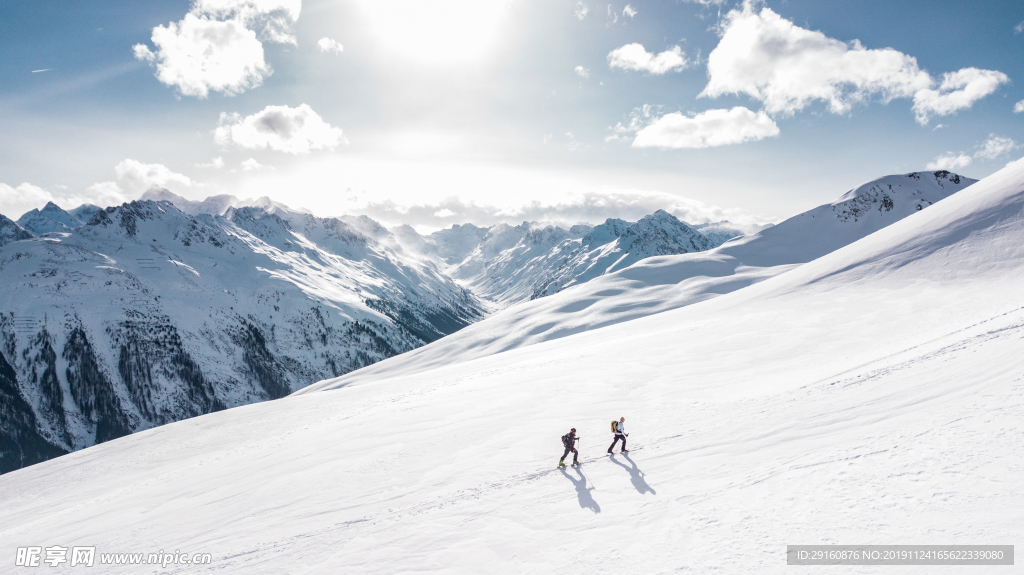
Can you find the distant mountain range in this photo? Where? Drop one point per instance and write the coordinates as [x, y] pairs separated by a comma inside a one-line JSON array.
[[118, 319], [506, 264], [659, 284]]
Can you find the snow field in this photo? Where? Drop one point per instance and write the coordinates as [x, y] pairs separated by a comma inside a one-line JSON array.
[[873, 396]]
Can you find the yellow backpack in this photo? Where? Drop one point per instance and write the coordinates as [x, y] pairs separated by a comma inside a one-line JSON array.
[[615, 426]]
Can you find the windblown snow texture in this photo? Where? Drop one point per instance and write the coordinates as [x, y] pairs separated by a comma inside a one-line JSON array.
[[147, 315], [871, 396]]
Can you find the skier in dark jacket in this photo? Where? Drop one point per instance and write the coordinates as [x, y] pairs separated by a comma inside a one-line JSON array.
[[569, 441], [620, 433]]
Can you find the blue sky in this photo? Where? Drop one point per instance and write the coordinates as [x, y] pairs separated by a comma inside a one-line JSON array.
[[439, 112]]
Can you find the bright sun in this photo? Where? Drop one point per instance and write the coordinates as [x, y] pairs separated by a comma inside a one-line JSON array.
[[436, 31]]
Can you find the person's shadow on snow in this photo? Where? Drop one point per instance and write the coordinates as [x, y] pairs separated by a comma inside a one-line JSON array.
[[582, 491], [635, 475]]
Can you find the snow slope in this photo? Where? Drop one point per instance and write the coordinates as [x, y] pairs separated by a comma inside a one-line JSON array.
[[659, 284], [872, 396]]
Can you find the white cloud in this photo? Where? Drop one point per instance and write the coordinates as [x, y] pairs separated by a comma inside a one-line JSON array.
[[199, 54], [134, 177], [329, 45], [994, 147], [274, 18], [1018, 28], [142, 52], [635, 57], [107, 194], [639, 119], [787, 68], [15, 201], [252, 165], [706, 130], [572, 144], [281, 128], [612, 15], [215, 46], [1018, 107], [582, 72], [590, 207], [958, 90], [629, 11], [581, 10], [949, 161], [216, 163]]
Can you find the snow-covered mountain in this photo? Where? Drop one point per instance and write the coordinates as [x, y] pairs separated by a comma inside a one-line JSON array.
[[155, 349], [10, 231], [616, 245], [148, 315], [54, 219], [121, 347], [870, 396], [450, 246], [505, 264], [659, 284], [508, 264], [510, 261]]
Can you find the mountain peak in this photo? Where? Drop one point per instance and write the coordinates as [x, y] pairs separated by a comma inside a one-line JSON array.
[[52, 218], [10, 231]]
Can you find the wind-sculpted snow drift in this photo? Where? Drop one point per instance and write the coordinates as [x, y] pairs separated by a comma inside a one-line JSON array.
[[147, 315], [658, 284], [870, 396]]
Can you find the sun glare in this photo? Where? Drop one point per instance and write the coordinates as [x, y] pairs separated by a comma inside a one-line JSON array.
[[436, 31]]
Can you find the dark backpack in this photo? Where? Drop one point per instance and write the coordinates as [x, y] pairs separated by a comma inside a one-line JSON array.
[[567, 440]]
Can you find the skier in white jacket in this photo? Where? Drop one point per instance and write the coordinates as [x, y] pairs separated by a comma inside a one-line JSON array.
[[620, 433]]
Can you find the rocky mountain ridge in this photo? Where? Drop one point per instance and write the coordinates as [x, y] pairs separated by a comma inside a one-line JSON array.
[[147, 315]]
